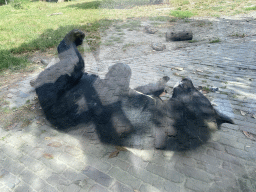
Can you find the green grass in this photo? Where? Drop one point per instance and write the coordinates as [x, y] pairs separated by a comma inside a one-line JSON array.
[[215, 41], [27, 26], [181, 14], [250, 8], [192, 41]]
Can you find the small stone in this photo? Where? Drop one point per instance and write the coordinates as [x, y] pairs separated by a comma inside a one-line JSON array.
[[158, 46], [9, 95], [44, 62], [150, 30], [243, 113], [214, 89]]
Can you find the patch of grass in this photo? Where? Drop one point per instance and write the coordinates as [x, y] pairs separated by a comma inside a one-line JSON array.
[[193, 41], [181, 14], [27, 26], [159, 18], [206, 89], [127, 45], [238, 35], [216, 15], [215, 41], [172, 20], [250, 8], [217, 77]]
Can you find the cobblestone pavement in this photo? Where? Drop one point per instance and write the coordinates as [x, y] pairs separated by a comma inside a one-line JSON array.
[[40, 158]]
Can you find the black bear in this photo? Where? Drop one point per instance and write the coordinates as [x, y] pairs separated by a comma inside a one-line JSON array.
[[69, 96]]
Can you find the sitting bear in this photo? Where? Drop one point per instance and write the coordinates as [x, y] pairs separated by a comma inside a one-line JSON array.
[[69, 96]]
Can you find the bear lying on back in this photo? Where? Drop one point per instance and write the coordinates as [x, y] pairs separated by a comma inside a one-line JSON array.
[[69, 96]]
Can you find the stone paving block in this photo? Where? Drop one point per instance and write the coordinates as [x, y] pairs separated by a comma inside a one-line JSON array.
[[209, 160], [124, 177], [73, 151], [97, 188], [98, 176], [71, 174], [12, 166], [224, 156], [48, 188], [171, 186], [24, 187], [73, 162], [99, 164], [240, 153], [119, 163], [28, 176], [54, 164], [119, 187], [133, 159], [32, 151], [216, 145], [45, 173], [194, 173], [8, 179], [32, 163], [196, 185], [14, 141], [4, 188], [11, 151], [215, 188], [238, 170], [245, 186], [188, 161], [84, 182], [165, 173], [146, 176], [219, 172], [148, 188], [228, 184], [57, 180], [69, 188]]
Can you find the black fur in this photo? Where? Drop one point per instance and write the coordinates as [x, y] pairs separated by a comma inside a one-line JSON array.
[[181, 123], [193, 116]]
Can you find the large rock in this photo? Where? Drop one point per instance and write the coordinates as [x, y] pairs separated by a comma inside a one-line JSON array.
[[179, 36]]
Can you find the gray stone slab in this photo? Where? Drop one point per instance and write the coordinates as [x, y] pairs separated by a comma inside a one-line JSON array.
[[124, 177], [98, 176], [172, 175], [119, 187], [98, 188], [196, 185]]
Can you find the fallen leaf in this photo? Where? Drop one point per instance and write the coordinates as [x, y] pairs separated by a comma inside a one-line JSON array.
[[250, 135], [113, 154], [254, 116], [243, 113], [55, 144], [120, 148], [47, 138], [48, 156], [198, 70], [179, 68], [136, 190]]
